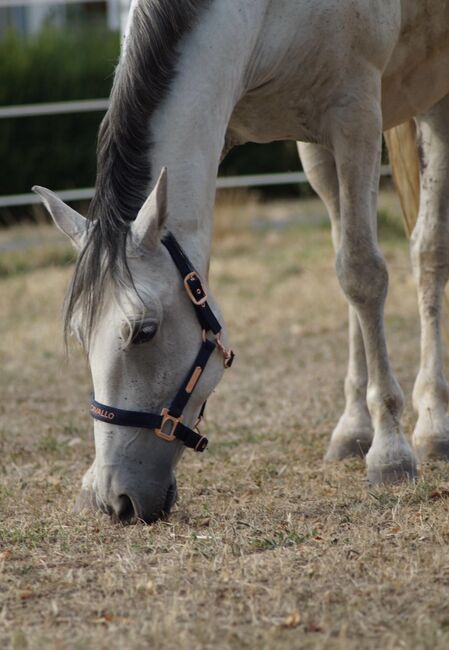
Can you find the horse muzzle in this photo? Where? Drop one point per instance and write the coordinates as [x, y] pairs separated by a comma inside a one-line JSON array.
[[127, 505]]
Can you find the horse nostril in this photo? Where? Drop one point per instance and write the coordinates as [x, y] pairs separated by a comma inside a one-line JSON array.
[[125, 510]]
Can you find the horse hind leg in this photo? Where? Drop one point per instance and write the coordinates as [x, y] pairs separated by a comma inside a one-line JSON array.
[[354, 432], [355, 129], [430, 260]]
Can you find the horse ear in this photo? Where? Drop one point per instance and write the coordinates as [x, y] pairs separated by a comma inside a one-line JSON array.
[[146, 228], [70, 222]]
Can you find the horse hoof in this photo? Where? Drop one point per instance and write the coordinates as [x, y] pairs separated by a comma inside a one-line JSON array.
[[431, 448], [391, 460], [431, 435], [348, 446], [391, 474]]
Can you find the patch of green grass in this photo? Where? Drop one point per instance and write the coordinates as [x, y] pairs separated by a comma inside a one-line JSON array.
[[30, 536], [280, 540], [390, 225], [49, 444]]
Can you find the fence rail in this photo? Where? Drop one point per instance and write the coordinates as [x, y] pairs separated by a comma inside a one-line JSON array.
[[54, 108], [4, 4], [223, 182]]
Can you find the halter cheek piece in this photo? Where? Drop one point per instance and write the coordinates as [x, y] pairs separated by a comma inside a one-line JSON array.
[[168, 425]]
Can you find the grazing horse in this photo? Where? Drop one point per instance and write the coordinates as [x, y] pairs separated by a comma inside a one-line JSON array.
[[196, 78]]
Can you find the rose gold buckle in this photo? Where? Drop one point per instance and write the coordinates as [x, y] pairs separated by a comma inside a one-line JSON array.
[[196, 301], [166, 417]]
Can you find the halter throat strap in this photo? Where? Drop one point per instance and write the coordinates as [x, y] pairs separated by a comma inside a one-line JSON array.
[[192, 285], [168, 424]]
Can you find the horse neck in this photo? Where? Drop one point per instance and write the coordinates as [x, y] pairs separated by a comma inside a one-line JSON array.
[[191, 156], [188, 130]]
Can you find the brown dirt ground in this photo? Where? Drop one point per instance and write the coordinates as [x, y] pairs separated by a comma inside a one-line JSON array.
[[267, 547]]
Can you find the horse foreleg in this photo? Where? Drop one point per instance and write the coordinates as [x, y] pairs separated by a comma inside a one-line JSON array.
[[354, 433], [430, 258], [356, 134]]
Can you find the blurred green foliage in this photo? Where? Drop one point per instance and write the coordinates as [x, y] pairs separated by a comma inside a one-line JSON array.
[[58, 151]]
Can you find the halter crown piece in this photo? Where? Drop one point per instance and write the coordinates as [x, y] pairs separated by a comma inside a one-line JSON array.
[[168, 425]]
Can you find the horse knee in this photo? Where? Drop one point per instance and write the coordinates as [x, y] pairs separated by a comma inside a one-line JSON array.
[[363, 276]]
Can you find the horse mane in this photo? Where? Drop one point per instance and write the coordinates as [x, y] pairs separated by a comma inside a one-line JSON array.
[[142, 80]]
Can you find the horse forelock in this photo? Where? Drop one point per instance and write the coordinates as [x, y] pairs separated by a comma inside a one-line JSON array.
[[143, 78]]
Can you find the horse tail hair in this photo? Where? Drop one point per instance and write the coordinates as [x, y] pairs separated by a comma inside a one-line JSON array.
[[403, 151]]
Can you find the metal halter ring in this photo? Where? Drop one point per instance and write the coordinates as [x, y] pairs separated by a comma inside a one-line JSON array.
[[166, 417], [228, 354]]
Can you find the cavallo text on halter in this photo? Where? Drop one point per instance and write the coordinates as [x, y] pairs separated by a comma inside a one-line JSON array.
[[168, 424]]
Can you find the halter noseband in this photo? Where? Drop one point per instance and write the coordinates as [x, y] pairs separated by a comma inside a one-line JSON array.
[[168, 425]]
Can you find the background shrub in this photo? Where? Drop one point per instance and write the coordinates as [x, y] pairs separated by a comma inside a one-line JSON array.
[[58, 151]]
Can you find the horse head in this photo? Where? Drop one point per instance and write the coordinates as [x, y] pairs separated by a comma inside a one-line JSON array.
[[155, 347]]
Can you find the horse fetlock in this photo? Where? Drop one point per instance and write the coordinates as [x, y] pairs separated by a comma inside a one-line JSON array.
[[431, 392], [391, 460], [385, 406], [355, 393]]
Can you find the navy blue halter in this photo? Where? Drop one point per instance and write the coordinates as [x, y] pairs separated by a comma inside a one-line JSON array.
[[168, 424]]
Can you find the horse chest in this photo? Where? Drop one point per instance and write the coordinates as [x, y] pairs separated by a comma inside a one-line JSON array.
[[278, 117], [290, 107]]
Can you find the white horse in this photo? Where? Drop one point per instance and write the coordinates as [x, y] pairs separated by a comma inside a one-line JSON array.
[[195, 78]]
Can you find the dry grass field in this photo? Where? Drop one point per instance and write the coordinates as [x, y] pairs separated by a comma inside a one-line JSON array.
[[267, 547]]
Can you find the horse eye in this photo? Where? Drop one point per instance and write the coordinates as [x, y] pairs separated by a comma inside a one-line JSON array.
[[143, 331]]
